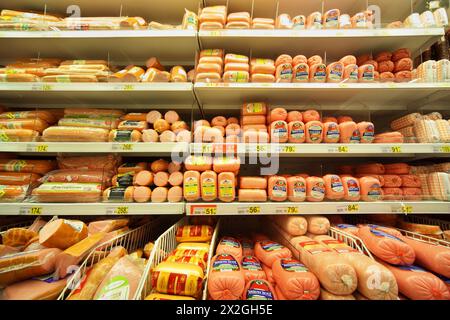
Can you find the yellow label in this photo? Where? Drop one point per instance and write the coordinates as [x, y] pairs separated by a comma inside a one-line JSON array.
[[353, 207], [256, 107], [127, 147], [261, 148], [343, 149], [292, 210], [191, 186], [42, 148], [128, 87], [288, 149], [407, 209], [10, 115], [254, 210], [4, 137], [206, 148], [209, 187], [396, 149], [211, 211], [445, 149], [36, 211], [121, 210], [226, 188], [47, 87]]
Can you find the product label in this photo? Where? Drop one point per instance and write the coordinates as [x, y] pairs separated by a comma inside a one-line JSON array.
[[383, 234], [117, 194], [336, 184], [411, 268], [60, 187], [76, 225], [292, 265], [368, 73], [360, 20], [286, 71], [231, 242], [251, 263], [279, 189], [333, 132], [338, 246], [318, 190], [254, 107], [123, 136], [130, 123], [225, 262], [299, 189], [374, 192], [176, 283], [212, 52], [315, 133], [4, 137], [353, 188], [202, 254], [356, 137], [259, 290], [345, 226], [279, 130], [336, 72], [85, 122], [368, 134], [209, 187], [299, 22], [117, 288], [125, 179], [2, 191], [297, 131], [239, 76], [263, 61], [353, 73], [301, 72], [226, 188], [63, 78], [313, 247], [320, 74], [190, 186], [332, 19], [269, 245]]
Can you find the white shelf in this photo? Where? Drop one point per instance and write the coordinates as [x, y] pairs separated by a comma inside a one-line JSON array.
[[127, 95], [326, 149], [45, 148], [329, 96], [271, 208], [336, 43], [92, 209], [119, 47]]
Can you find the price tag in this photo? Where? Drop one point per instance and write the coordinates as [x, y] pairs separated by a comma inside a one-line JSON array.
[[211, 211], [35, 211], [406, 209], [288, 149], [261, 148], [445, 149], [253, 210], [343, 149], [292, 210], [203, 210], [128, 87], [121, 210], [123, 147], [47, 87], [353, 207], [42, 148], [396, 149], [207, 148]]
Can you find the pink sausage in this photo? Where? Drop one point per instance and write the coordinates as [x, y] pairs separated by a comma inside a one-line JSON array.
[[208, 185], [159, 194], [201, 123], [314, 132], [174, 167], [341, 119], [219, 121], [331, 132], [279, 131], [296, 189], [349, 132], [278, 114], [233, 129], [167, 136], [224, 164], [184, 136], [143, 178], [329, 119], [175, 194], [255, 127], [246, 120], [310, 115], [232, 120], [149, 135], [171, 116], [315, 189], [252, 195], [294, 116], [334, 189], [161, 179], [277, 188], [142, 194], [153, 115], [252, 183], [175, 179], [296, 131]]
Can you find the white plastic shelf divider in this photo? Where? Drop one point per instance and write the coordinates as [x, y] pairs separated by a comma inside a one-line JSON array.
[[330, 96], [121, 47], [336, 43], [131, 95], [160, 148], [91, 209], [273, 208], [328, 149]]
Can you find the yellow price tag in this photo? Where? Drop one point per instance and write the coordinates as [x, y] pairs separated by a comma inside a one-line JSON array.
[[289, 149], [128, 87], [206, 148], [254, 210], [353, 208], [445, 149], [292, 210], [261, 148], [42, 148], [36, 211], [127, 147], [211, 211], [47, 87], [407, 209], [343, 149], [396, 149], [122, 210]]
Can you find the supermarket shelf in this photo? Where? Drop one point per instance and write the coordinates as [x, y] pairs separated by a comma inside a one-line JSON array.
[[46, 148], [270, 208], [131, 95], [119, 47], [336, 43], [346, 96], [326, 149], [91, 209]]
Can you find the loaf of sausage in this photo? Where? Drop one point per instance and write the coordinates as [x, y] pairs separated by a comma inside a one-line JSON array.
[[75, 134]]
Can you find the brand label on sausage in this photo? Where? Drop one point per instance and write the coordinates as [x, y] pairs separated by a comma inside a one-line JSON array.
[[259, 290], [297, 131], [125, 179], [411, 268], [15, 165], [269, 245], [279, 129], [279, 189], [229, 241], [190, 186], [209, 187], [299, 22], [117, 193], [263, 61], [332, 19], [226, 188], [338, 246], [225, 262], [122, 136], [130, 123], [383, 234], [352, 72], [320, 74], [336, 184], [301, 72], [293, 265], [313, 247], [60, 187], [360, 20], [318, 190], [251, 263], [2, 191], [76, 225], [238, 76], [254, 107], [315, 133], [285, 71], [356, 137], [345, 226], [332, 132], [299, 189], [368, 73], [374, 192], [353, 188], [336, 72], [212, 52], [368, 134], [117, 288], [4, 137]]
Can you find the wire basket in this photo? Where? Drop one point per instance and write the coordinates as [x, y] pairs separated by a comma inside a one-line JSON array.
[[131, 240], [164, 245], [350, 240], [444, 225]]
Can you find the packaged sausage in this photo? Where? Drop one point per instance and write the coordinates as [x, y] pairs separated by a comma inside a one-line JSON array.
[[118, 194], [75, 134], [18, 135], [99, 162], [178, 74], [67, 192], [331, 19], [132, 167], [27, 166], [226, 186], [13, 193], [29, 124], [133, 125], [78, 176], [40, 114], [124, 136]]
